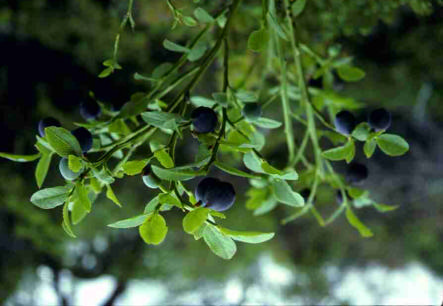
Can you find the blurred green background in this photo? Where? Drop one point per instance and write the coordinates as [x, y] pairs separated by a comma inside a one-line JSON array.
[[51, 53]]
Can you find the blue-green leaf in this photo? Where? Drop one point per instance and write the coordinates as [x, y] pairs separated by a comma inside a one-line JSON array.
[[130, 222], [20, 158], [392, 145], [246, 236], [219, 243], [50, 197]]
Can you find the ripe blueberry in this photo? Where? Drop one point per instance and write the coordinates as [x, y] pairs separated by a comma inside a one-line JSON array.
[[90, 110], [84, 138], [203, 186], [149, 178], [204, 119], [380, 119], [215, 194], [356, 173], [67, 173], [46, 122], [252, 111], [345, 122]]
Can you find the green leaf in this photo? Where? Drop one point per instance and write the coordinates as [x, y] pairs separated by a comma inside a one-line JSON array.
[[217, 214], [284, 194], [175, 174], [134, 167], [95, 185], [265, 207], [221, 98], [75, 163], [67, 222], [273, 22], [109, 62], [202, 101], [252, 162], [267, 123], [246, 96], [362, 131], [203, 16], [267, 168], [248, 237], [103, 175], [163, 120], [106, 72], [50, 197], [189, 21], [169, 199], [199, 232], [130, 222], [81, 192], [288, 175], [119, 127], [164, 158], [140, 77], [171, 46], [362, 201], [219, 243], [344, 152], [62, 141], [111, 196], [78, 212], [258, 40], [298, 7], [197, 52], [232, 170], [350, 74], [137, 105], [195, 219], [154, 229], [356, 223], [151, 206], [369, 147], [20, 158], [42, 168], [384, 207], [392, 145], [256, 196], [356, 193], [162, 70]]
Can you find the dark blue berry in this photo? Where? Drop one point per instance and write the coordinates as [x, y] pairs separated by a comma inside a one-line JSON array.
[[345, 122], [220, 198], [84, 138], [215, 194], [204, 119], [356, 173], [46, 122], [252, 111], [90, 110], [380, 119], [203, 186]]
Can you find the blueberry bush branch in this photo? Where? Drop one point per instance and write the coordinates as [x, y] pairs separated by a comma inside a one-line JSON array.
[[229, 128]]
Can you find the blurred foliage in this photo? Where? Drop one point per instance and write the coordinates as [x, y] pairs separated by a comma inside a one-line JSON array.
[[397, 43]]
